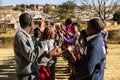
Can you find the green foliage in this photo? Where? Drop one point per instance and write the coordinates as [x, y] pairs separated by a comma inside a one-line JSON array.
[[66, 9], [48, 9], [18, 8], [116, 17], [114, 36]]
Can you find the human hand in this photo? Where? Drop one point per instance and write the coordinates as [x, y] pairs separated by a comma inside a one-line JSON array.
[[78, 46], [70, 48], [64, 47], [60, 33], [46, 54], [77, 37]]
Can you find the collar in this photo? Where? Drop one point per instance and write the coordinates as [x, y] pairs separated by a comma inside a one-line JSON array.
[[28, 35], [91, 37]]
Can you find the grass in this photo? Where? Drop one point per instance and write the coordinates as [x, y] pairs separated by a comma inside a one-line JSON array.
[[113, 62]]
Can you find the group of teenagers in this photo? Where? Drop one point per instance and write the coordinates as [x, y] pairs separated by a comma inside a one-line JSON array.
[[85, 49]]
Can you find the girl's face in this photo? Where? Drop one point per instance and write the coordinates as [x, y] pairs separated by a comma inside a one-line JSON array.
[[47, 24], [75, 30]]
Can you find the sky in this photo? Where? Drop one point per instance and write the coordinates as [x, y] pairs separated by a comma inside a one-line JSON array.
[[12, 2], [57, 2]]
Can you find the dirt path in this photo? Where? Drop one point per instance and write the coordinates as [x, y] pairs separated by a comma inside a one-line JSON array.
[[7, 64]]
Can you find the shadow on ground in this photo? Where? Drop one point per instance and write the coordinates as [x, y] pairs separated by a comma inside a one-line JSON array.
[[7, 69]]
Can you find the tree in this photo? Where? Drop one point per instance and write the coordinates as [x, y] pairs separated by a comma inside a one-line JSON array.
[[116, 17], [102, 7], [66, 9], [18, 8], [47, 9]]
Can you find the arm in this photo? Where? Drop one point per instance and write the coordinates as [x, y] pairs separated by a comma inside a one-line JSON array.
[[27, 50], [68, 40], [73, 56], [55, 52], [52, 52], [70, 49], [58, 53]]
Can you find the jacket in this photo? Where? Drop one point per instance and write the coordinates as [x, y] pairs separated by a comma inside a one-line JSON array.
[[91, 65], [25, 54]]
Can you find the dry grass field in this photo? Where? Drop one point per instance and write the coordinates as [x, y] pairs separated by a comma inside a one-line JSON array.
[[113, 63], [7, 64], [9, 33], [112, 27]]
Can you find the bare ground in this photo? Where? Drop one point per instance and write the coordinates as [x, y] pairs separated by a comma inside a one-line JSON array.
[[113, 63], [7, 63]]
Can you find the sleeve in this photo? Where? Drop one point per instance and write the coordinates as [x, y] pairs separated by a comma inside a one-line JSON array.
[[68, 40], [87, 66], [27, 51], [43, 47]]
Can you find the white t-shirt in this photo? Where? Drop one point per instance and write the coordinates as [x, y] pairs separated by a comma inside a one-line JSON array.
[[48, 47]]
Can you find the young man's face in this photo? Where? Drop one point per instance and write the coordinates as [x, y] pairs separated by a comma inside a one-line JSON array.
[[31, 26], [90, 30]]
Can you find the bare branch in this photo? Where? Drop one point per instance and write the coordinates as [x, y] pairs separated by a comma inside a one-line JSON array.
[[94, 5], [87, 1], [84, 2], [115, 4], [102, 7], [110, 4]]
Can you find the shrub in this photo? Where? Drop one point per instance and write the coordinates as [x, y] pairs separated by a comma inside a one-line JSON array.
[[114, 36], [116, 17], [6, 42]]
